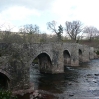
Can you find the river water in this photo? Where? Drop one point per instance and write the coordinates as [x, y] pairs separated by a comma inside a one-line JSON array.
[[76, 83]]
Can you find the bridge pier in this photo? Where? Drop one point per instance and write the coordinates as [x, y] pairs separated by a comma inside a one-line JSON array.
[[74, 55], [83, 53], [91, 53], [58, 58]]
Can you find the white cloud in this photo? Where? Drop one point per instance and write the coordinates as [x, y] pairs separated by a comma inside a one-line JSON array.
[[18, 13], [84, 10], [15, 15]]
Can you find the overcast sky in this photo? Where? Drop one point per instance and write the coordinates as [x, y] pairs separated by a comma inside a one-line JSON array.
[[21, 12]]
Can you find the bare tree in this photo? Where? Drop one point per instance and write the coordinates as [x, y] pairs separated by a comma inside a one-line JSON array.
[[1, 32], [29, 28], [92, 32], [7, 34], [52, 26], [1, 26], [73, 29], [30, 33]]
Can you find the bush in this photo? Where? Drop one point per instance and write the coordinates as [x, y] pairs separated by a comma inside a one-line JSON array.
[[97, 52], [6, 95]]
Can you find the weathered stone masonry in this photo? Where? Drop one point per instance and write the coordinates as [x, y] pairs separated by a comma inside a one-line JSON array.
[[15, 60]]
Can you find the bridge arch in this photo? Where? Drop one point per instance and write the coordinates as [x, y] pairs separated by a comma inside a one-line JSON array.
[[44, 62], [4, 80], [67, 58], [80, 55]]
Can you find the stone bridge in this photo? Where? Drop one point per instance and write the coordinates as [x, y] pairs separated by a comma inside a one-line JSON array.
[[16, 59]]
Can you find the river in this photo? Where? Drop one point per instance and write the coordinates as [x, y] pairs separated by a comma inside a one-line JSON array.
[[76, 83]]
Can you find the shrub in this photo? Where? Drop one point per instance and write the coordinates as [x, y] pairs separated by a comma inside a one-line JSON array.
[[5, 94], [97, 52]]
